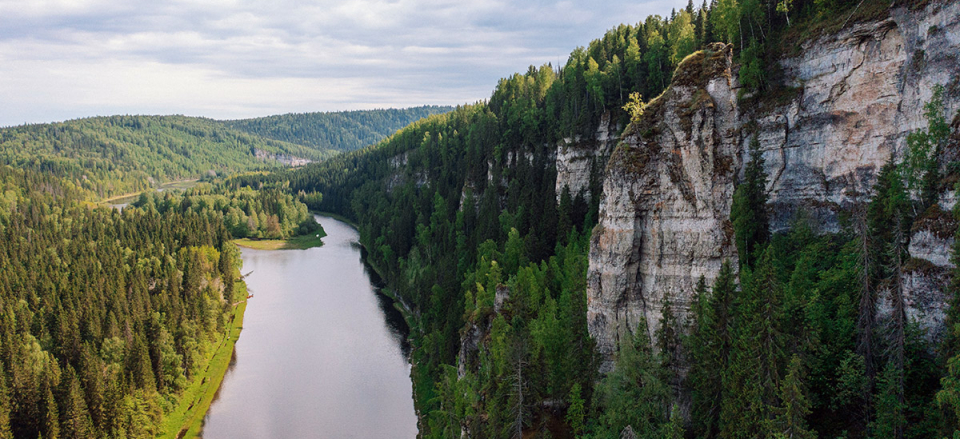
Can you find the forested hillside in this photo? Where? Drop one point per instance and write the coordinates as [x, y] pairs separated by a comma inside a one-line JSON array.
[[106, 156], [120, 154], [460, 214], [338, 131], [109, 320], [105, 317]]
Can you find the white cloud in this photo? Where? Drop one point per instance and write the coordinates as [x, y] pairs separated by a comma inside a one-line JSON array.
[[62, 59]]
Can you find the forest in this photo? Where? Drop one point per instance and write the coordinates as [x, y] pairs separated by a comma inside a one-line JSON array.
[[108, 156], [338, 131], [108, 317], [788, 342]]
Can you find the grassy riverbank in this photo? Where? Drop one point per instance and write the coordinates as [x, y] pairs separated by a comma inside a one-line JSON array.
[[186, 420], [295, 243], [177, 185]]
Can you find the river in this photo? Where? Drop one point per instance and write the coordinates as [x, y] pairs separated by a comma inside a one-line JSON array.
[[322, 352]]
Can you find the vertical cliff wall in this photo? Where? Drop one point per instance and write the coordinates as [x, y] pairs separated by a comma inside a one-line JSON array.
[[578, 158], [666, 201], [852, 99]]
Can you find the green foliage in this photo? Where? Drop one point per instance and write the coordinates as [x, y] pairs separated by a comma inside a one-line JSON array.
[[890, 418], [340, 131], [104, 314], [920, 166], [576, 413], [106, 156], [268, 213], [635, 394], [749, 210], [791, 420]]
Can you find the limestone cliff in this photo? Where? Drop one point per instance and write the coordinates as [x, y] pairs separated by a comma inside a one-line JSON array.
[[852, 98], [579, 158], [857, 94], [666, 201]]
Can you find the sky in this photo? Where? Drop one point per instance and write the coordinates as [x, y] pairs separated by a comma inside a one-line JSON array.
[[226, 59]]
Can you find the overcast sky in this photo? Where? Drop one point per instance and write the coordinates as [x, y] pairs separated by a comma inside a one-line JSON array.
[[65, 59]]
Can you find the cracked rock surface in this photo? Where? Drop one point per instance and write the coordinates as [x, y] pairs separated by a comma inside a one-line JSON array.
[[853, 98]]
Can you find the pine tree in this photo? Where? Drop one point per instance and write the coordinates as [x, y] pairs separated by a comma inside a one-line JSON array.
[[76, 418], [749, 209], [51, 415], [5, 402], [709, 345], [791, 420], [668, 342], [576, 412], [866, 312], [889, 418], [753, 377], [634, 394]]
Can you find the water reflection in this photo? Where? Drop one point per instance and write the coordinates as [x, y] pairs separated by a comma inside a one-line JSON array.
[[391, 315], [324, 351]]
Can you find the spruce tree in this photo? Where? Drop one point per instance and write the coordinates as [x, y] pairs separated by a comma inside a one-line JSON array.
[[709, 344], [791, 419], [748, 212], [753, 379]]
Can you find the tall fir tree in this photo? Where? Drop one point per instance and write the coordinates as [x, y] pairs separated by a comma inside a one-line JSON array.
[[748, 213]]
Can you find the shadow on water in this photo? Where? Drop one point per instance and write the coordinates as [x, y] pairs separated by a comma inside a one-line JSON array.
[[216, 395], [393, 317]]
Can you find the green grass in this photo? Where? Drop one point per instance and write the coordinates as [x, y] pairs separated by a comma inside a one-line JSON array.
[[296, 243], [133, 196], [186, 420]]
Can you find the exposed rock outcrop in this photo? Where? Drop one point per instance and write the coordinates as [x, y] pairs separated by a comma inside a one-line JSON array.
[[577, 159], [857, 95], [851, 100], [666, 202], [283, 159]]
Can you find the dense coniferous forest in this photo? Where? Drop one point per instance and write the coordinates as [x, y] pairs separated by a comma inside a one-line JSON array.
[[106, 315], [460, 214], [339, 131]]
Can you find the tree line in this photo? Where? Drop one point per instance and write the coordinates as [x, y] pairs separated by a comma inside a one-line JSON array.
[[338, 131]]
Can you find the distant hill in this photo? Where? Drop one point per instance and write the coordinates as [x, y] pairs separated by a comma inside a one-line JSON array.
[[340, 131], [105, 156], [119, 154]]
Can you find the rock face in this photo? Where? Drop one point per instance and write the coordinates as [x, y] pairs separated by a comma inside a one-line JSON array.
[[852, 98], [578, 158], [666, 203], [857, 94]]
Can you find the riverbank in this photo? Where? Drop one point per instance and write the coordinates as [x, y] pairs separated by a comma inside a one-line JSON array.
[[179, 184], [320, 350], [295, 243], [337, 217], [186, 420]]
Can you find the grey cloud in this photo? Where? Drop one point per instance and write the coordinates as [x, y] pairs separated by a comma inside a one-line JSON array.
[[392, 53]]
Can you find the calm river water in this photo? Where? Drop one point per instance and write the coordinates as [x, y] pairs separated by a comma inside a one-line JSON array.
[[321, 354]]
